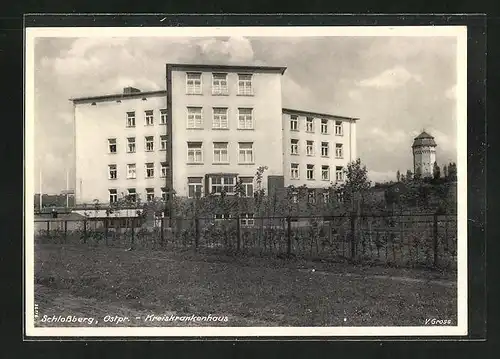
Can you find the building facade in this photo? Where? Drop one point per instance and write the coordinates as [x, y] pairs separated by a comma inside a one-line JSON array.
[[424, 154], [212, 128], [316, 147], [120, 146]]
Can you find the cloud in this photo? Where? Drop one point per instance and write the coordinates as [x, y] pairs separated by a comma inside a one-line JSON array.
[[388, 138], [233, 50], [391, 78]]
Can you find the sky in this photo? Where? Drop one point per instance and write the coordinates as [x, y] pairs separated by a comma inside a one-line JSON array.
[[397, 86]]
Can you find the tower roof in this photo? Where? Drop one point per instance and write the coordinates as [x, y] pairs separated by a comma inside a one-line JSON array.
[[424, 139]]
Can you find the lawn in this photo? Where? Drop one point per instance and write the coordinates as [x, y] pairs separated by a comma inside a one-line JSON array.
[[96, 281]]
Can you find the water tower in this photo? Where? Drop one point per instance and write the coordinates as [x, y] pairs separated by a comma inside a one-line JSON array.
[[424, 154]]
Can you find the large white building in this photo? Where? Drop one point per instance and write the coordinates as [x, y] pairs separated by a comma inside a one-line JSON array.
[[214, 125]]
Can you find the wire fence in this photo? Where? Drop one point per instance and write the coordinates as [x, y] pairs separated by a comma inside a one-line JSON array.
[[406, 240]]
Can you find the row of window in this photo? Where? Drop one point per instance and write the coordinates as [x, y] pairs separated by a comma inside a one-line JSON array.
[[220, 85], [311, 151], [132, 194], [149, 144], [220, 152], [220, 183], [311, 169], [220, 118], [149, 170], [148, 118], [311, 128]]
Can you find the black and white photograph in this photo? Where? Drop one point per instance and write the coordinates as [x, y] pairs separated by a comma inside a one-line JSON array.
[[246, 181]]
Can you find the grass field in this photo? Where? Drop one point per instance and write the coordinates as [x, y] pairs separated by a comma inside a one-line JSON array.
[[87, 281]]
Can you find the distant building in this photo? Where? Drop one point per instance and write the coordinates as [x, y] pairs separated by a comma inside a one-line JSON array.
[[424, 154]]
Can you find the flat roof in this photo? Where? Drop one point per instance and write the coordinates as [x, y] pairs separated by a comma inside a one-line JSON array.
[[317, 114], [236, 68], [118, 96]]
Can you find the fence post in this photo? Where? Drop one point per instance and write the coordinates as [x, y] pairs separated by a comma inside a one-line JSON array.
[[84, 231], [162, 231], [353, 234], [288, 236], [197, 233], [435, 239], [106, 224], [132, 239], [65, 231], [238, 233], [48, 229]]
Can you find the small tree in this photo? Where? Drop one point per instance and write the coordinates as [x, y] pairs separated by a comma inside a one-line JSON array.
[[418, 174], [398, 176], [445, 172], [436, 171], [356, 181], [409, 176], [452, 172]]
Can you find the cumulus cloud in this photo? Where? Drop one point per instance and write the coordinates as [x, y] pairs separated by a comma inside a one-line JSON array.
[[234, 50], [391, 78]]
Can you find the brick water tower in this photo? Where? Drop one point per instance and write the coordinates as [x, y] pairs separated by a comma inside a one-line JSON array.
[[424, 154]]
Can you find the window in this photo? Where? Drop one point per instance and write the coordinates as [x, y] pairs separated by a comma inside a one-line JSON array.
[[324, 126], [163, 142], [339, 150], [245, 84], [245, 152], [294, 123], [310, 148], [294, 171], [131, 144], [113, 173], [310, 172], [245, 120], [247, 186], [326, 197], [219, 184], [294, 147], [339, 173], [325, 149], [131, 171], [150, 170], [219, 84], [113, 195], [221, 216], [150, 143], [148, 116], [193, 83], [220, 152], [163, 116], [131, 194], [194, 119], [131, 119], [112, 145], [295, 197], [325, 173], [150, 194], [164, 169], [309, 124], [195, 152], [220, 118], [194, 187], [338, 128], [164, 193], [246, 219], [311, 197]]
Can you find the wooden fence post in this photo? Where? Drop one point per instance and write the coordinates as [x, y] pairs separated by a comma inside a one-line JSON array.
[[132, 240], [106, 224], [84, 231], [48, 229], [288, 236], [162, 231], [353, 234], [65, 231], [435, 239], [238, 233], [197, 232]]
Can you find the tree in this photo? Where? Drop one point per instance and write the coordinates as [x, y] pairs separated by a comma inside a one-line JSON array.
[[409, 176], [445, 172], [398, 176], [452, 171], [436, 171], [418, 173], [356, 179]]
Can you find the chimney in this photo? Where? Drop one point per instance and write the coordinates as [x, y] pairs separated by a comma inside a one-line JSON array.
[[128, 90]]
